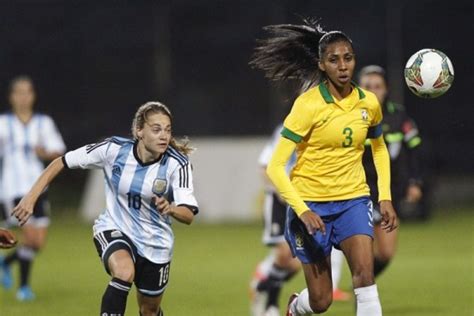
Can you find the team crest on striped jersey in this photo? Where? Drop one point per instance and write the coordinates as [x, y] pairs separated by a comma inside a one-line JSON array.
[[116, 170], [159, 186]]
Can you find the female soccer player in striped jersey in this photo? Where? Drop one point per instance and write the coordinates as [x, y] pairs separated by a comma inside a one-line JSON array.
[[327, 189], [27, 140], [148, 182]]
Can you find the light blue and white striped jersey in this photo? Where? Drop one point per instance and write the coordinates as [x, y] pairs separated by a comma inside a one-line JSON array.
[[18, 142], [128, 187]]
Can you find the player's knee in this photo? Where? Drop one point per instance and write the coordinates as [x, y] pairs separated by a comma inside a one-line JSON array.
[[124, 273], [321, 303], [37, 245], [34, 242], [386, 254], [149, 309], [363, 276]]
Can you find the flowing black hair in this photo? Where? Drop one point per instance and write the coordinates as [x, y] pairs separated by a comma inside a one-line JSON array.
[[293, 51]]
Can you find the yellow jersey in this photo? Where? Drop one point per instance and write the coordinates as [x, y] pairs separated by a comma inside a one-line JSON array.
[[330, 136]]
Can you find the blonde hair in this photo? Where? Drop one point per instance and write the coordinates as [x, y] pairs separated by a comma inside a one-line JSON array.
[[157, 107]]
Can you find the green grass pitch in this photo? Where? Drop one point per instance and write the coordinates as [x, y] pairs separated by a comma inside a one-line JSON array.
[[432, 273]]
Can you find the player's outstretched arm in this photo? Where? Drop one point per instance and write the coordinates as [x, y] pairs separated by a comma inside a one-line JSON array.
[[276, 171], [24, 209], [382, 165], [7, 239]]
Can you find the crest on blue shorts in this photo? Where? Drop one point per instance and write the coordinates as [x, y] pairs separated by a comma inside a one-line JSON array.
[[299, 240]]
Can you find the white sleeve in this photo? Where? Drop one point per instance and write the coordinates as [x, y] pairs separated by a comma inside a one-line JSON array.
[[92, 156], [51, 139], [182, 186], [267, 151], [265, 155], [3, 132]]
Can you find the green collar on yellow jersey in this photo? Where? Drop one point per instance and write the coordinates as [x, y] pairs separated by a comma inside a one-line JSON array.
[[329, 98]]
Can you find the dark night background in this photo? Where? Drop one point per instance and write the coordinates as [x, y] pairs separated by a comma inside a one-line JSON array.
[[94, 63]]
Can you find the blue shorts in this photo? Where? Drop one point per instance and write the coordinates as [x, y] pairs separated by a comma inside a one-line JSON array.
[[342, 219]]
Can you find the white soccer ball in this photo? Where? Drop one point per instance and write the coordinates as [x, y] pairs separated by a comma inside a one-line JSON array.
[[429, 73]]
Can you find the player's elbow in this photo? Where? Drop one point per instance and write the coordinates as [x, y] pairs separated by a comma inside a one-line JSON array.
[[188, 220], [271, 171], [188, 217]]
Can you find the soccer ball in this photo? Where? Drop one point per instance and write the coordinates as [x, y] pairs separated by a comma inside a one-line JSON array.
[[429, 73]]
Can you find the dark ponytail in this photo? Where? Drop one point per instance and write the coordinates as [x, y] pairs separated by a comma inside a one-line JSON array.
[[290, 52], [293, 52]]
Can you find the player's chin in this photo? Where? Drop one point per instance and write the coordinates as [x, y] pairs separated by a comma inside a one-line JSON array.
[[161, 148]]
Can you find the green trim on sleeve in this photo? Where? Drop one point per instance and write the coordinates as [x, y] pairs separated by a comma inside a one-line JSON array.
[[285, 132]]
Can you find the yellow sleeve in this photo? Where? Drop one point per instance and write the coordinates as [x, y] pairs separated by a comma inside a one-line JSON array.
[[382, 166], [300, 120], [276, 171], [377, 119], [375, 129]]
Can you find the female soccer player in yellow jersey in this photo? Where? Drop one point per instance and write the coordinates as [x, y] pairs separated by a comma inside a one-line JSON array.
[[327, 190]]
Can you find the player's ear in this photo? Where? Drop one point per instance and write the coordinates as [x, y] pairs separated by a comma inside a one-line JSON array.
[[321, 66], [140, 133]]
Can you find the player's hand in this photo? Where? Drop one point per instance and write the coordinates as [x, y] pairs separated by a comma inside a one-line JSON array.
[[162, 205], [313, 222], [7, 239], [24, 209], [414, 193], [389, 216]]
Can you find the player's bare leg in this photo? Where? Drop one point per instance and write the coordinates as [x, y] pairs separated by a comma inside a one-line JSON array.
[[358, 250], [283, 269], [337, 261], [122, 269], [317, 297], [385, 247], [271, 277], [149, 305], [284, 258], [34, 239]]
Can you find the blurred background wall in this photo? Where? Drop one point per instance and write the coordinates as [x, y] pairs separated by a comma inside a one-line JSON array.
[[95, 62]]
